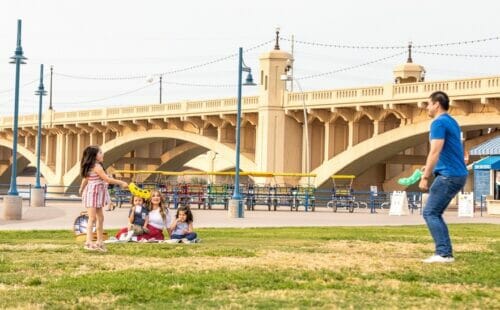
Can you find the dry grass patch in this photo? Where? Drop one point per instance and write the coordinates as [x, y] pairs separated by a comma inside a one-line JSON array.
[[33, 247], [97, 300], [254, 268]]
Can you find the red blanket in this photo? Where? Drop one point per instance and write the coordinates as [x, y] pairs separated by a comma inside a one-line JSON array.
[[154, 233]]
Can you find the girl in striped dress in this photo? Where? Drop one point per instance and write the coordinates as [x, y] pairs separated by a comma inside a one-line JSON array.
[[94, 191]]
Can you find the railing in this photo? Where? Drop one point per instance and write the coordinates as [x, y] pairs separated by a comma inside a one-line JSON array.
[[344, 97], [392, 92], [176, 109], [24, 190], [308, 198]]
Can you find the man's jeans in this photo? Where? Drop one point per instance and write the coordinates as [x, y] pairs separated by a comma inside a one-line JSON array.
[[441, 192]]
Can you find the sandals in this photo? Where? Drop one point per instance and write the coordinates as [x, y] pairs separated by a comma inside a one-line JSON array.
[[95, 247], [89, 246], [101, 248]]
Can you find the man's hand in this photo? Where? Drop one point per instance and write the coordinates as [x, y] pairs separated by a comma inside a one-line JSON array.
[[424, 184]]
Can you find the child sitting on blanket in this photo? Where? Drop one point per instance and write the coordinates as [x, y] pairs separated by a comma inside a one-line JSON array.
[[138, 218], [181, 229]]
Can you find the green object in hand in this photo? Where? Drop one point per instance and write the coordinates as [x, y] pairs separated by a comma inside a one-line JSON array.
[[414, 178]]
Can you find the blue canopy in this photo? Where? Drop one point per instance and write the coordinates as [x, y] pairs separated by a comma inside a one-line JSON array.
[[490, 147], [488, 163]]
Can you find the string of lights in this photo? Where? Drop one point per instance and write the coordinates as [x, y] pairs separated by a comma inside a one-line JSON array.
[[144, 76], [109, 97], [346, 46], [417, 49], [385, 47], [200, 85], [150, 85], [457, 43], [349, 67], [456, 54], [230, 85], [23, 85]]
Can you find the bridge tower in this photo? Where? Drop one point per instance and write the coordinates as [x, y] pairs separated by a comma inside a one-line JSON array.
[[409, 72], [278, 136]]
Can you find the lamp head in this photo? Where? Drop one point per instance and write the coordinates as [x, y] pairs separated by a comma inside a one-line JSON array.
[[249, 80], [288, 74], [20, 57]]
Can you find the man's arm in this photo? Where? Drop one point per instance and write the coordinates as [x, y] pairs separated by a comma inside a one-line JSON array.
[[430, 163]]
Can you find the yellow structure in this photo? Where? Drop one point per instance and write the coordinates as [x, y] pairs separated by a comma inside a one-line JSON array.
[[377, 133]]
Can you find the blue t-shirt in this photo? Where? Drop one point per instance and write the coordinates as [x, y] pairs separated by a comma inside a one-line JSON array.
[[451, 159], [180, 228]]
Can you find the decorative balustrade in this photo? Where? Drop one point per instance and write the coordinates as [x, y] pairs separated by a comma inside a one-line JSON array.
[[176, 109], [389, 93], [372, 91], [493, 82]]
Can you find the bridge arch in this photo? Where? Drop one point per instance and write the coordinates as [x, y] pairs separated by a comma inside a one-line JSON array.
[[115, 148], [177, 157], [45, 170], [363, 155], [390, 121]]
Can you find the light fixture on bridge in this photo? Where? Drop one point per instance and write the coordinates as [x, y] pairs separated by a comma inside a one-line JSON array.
[[288, 72], [277, 44]]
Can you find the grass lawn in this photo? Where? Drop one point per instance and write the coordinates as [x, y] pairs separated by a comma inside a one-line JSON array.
[[337, 267]]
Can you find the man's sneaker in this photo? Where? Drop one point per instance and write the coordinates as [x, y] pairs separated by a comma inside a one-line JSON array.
[[197, 240], [185, 240], [439, 259]]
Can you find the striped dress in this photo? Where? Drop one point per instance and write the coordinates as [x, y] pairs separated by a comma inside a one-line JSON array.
[[95, 194]]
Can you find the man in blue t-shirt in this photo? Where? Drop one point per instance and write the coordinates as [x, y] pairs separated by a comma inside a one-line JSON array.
[[446, 162]]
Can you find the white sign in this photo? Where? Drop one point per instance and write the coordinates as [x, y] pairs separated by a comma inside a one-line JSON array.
[[399, 203], [465, 205]]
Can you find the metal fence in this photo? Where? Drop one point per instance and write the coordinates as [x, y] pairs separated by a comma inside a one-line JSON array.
[[255, 196]]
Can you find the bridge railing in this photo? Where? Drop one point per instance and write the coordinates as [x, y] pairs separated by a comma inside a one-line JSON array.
[[349, 96], [412, 91], [176, 109]]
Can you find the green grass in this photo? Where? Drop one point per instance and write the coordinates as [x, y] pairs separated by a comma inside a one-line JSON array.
[[338, 267]]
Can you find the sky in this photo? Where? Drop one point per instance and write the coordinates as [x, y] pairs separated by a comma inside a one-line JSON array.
[[142, 38]]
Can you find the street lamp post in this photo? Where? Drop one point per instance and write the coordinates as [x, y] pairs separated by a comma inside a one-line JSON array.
[[40, 92], [38, 193], [12, 202], [236, 204], [161, 78]]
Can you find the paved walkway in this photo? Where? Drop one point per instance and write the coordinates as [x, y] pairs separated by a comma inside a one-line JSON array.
[[61, 215]]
